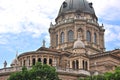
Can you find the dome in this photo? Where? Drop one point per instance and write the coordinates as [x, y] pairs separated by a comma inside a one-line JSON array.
[[14, 62], [78, 44], [76, 6]]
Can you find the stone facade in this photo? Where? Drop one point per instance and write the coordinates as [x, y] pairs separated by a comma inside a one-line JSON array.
[[77, 45]]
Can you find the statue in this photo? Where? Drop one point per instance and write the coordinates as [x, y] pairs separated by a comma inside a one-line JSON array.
[[5, 64]]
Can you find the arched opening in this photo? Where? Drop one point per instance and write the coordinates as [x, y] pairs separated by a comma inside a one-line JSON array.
[[95, 38], [39, 59], [86, 65], [56, 40], [83, 64], [70, 36], [73, 64], [77, 64], [45, 61], [62, 37], [24, 63], [50, 62], [33, 61], [88, 36]]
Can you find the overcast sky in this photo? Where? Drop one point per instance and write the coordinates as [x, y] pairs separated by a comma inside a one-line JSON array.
[[24, 24]]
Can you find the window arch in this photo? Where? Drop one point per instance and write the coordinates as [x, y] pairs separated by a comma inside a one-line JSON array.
[[45, 61], [50, 62], [83, 64], [73, 64], [33, 61], [39, 59], [70, 36], [56, 40], [62, 37], [88, 36], [77, 64], [86, 64], [95, 38]]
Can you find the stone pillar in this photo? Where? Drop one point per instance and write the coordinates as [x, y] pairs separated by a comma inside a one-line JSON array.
[[22, 62], [88, 66], [47, 60], [58, 37], [70, 64], [36, 59], [66, 36], [30, 60], [42, 59], [75, 32], [75, 65], [80, 65]]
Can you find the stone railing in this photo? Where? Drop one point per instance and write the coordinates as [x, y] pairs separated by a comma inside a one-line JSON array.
[[68, 70], [75, 18], [72, 71], [10, 69]]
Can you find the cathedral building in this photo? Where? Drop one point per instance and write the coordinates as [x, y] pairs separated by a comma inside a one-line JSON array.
[[76, 45]]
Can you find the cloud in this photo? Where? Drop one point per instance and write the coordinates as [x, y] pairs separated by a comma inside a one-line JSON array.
[[32, 16], [112, 33], [107, 9]]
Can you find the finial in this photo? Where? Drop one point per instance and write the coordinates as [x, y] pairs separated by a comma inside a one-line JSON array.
[[43, 43], [102, 25], [5, 64], [51, 25], [16, 54]]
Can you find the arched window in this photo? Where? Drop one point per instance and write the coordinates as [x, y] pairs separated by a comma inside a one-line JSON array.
[[77, 64], [86, 64], [33, 61], [24, 63], [45, 61], [70, 36], [95, 38], [62, 37], [56, 40], [50, 62], [73, 64], [88, 36], [39, 59], [83, 64]]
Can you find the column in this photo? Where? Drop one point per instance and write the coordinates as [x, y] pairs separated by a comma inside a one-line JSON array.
[[42, 59], [70, 64], [22, 62], [75, 65], [88, 65], [36, 59], [30, 60], [47, 60], [75, 32], [66, 36]]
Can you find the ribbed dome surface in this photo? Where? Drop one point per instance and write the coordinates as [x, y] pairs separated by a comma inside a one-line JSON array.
[[14, 62], [76, 6], [78, 44]]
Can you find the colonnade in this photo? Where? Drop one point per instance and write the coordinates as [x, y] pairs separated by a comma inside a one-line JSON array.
[[79, 64], [31, 60]]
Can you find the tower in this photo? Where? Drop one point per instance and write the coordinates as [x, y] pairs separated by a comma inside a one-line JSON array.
[[77, 17]]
